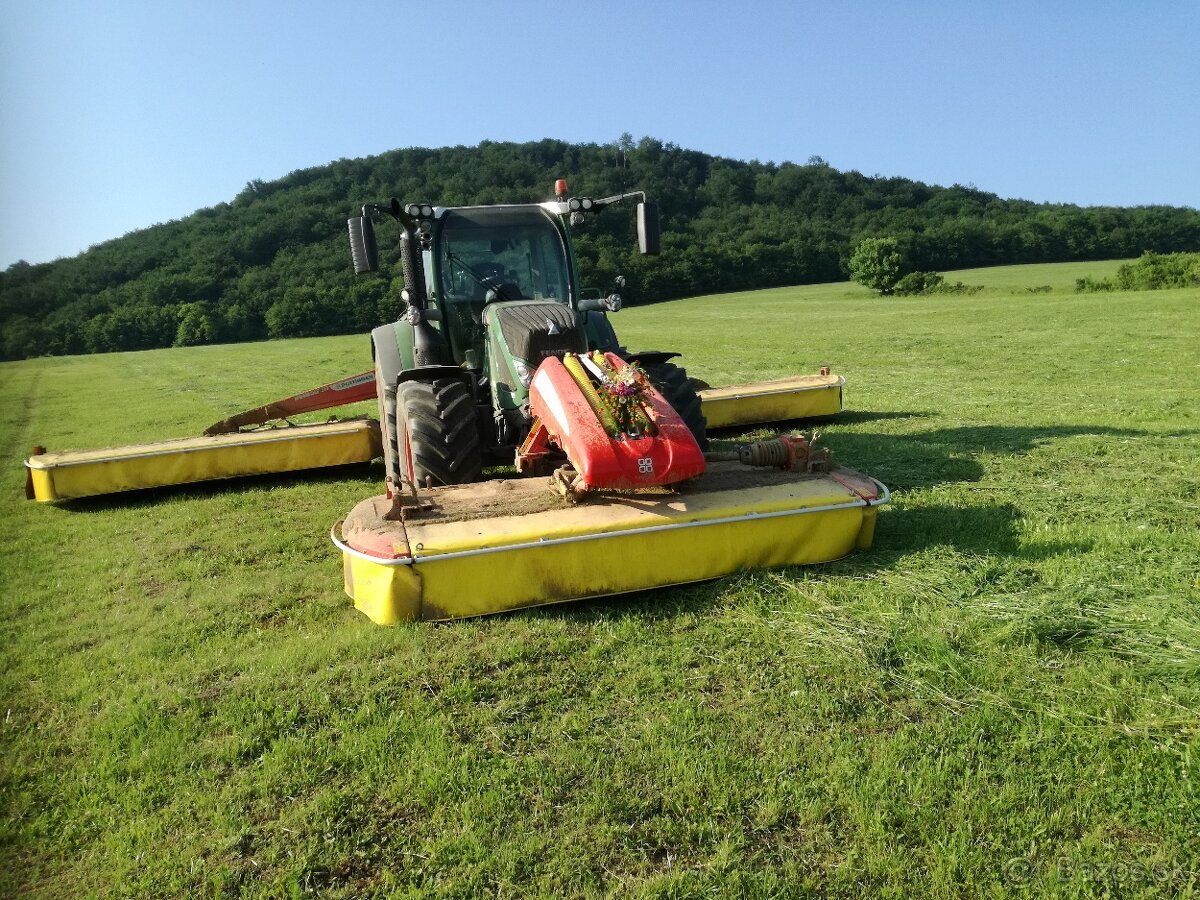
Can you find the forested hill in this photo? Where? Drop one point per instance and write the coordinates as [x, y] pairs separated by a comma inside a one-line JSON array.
[[274, 262]]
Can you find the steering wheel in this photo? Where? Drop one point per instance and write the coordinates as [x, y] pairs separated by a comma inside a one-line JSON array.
[[491, 272]]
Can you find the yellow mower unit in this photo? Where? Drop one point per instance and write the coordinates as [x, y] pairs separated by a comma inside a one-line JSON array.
[[635, 505], [501, 545], [89, 473], [798, 397]]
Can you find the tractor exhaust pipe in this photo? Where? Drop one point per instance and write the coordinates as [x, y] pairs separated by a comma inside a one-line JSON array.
[[429, 347]]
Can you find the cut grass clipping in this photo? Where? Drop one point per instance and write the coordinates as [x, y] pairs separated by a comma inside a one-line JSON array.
[[1001, 697]]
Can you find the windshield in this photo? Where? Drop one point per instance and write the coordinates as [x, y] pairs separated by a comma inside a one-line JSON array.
[[518, 252]]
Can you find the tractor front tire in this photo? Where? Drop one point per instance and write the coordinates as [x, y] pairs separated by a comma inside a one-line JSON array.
[[437, 436], [673, 383]]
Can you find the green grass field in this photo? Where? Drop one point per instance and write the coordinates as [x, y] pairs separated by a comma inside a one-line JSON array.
[[1000, 698]]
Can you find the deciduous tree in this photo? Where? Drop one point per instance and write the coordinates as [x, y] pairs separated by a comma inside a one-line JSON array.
[[877, 264]]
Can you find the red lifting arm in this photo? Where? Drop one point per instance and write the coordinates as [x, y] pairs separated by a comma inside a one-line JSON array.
[[337, 393]]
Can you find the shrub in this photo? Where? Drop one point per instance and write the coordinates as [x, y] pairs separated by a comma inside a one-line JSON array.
[[1090, 285], [1156, 271], [956, 288], [918, 283], [300, 313], [197, 325], [928, 283], [1152, 272]]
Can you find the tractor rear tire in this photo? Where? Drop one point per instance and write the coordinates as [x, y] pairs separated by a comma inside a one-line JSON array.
[[673, 383], [439, 433]]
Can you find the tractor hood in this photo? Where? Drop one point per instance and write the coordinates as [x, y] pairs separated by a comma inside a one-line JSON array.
[[521, 334]]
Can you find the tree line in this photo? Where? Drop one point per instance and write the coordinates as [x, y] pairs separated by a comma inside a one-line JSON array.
[[273, 262]]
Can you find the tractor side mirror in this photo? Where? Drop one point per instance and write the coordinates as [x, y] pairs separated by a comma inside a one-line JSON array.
[[611, 303], [363, 248], [647, 228]]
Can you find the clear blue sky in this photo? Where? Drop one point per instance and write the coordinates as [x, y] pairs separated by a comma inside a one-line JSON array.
[[118, 115]]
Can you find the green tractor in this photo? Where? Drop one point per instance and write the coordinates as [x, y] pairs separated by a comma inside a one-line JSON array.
[[490, 292]]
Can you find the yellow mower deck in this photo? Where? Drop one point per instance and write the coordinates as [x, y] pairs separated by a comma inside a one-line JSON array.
[[797, 397], [89, 473], [502, 545]]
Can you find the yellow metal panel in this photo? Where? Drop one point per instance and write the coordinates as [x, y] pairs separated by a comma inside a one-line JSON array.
[[88, 473], [801, 397], [386, 594], [43, 484], [866, 534], [609, 545], [473, 585], [630, 513]]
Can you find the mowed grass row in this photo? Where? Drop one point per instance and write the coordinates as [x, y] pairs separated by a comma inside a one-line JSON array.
[[1001, 697]]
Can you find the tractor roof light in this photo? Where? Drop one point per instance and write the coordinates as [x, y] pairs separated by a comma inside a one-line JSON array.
[[560, 188], [581, 204], [419, 210]]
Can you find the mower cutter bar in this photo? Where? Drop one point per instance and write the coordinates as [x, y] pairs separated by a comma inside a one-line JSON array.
[[88, 473]]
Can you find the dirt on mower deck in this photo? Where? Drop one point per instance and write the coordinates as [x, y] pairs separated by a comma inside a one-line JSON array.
[[525, 496], [366, 526]]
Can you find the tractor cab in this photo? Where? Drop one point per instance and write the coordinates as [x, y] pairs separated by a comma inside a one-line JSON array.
[[517, 251], [495, 254]]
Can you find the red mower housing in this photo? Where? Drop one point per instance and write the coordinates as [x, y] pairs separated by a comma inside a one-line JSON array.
[[568, 414]]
